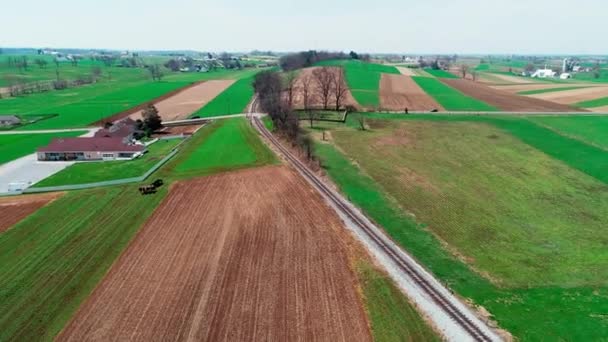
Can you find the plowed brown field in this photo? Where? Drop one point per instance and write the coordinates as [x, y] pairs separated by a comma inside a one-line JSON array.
[[15, 209], [316, 102], [184, 103], [504, 100], [516, 88], [398, 92], [574, 95], [250, 255]]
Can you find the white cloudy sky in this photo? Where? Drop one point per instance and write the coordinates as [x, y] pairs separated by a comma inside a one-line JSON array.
[[402, 26]]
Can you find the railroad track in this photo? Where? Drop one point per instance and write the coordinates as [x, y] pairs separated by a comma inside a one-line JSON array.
[[382, 242]]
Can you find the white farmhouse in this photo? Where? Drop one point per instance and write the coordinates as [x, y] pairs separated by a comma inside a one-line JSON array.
[[544, 73]]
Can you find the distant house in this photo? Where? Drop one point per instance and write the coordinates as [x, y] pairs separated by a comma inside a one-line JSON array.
[[9, 120], [565, 76], [95, 148]]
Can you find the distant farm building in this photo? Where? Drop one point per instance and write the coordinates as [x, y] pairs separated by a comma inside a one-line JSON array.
[[544, 73], [9, 120], [565, 76], [70, 149]]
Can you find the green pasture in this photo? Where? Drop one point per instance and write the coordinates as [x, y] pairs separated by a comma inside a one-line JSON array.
[[528, 208], [440, 73], [224, 145], [233, 100]]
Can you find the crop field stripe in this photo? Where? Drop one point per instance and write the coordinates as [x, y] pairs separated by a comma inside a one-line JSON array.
[[440, 73], [44, 276], [548, 90], [233, 100], [450, 98], [601, 102]]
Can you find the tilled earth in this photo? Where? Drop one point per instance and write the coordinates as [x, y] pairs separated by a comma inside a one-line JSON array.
[[249, 255], [504, 100]]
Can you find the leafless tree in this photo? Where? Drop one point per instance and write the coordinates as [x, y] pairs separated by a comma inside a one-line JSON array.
[[464, 70], [290, 86], [361, 121], [305, 87], [156, 72], [324, 78], [96, 73], [339, 87], [474, 75], [312, 116]]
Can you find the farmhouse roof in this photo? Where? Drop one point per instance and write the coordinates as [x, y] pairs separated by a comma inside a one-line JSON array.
[[90, 145], [120, 129]]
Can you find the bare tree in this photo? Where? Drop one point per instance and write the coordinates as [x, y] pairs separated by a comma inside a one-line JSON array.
[[41, 63], [290, 86], [464, 70], [361, 121], [324, 79], [156, 72], [339, 87], [312, 116], [307, 91], [474, 75]]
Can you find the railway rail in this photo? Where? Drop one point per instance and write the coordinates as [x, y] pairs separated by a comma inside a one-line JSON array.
[[431, 288]]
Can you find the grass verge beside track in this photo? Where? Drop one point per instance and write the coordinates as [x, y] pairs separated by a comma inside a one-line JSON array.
[[392, 316], [51, 261]]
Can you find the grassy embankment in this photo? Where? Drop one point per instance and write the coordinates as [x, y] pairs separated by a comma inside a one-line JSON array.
[[543, 265]]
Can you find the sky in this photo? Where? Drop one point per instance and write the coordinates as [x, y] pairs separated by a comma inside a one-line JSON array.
[[380, 26]]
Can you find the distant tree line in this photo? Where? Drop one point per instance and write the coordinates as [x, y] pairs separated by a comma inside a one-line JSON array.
[[306, 59]]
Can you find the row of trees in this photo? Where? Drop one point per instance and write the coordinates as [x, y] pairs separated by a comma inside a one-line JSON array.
[[305, 59]]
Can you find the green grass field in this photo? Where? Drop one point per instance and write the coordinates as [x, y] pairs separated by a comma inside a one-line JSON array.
[[572, 307], [450, 98], [52, 261], [222, 146], [363, 79], [233, 100], [589, 129], [392, 316], [593, 103], [440, 73], [549, 90], [91, 172], [13, 146], [79, 107]]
